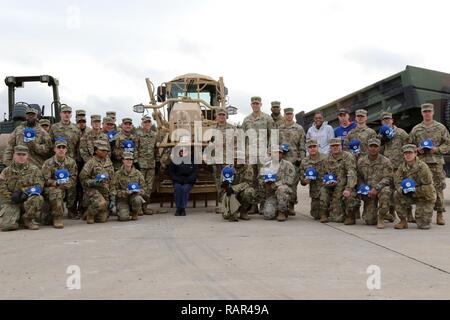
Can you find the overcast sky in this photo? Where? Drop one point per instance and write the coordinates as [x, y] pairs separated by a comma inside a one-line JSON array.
[[302, 53]]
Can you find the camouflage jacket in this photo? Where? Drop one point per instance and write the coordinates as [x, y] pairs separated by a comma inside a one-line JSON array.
[[392, 149], [122, 178], [277, 121], [263, 122], [221, 143], [37, 154], [19, 177], [72, 135], [377, 174], [294, 135], [87, 143], [285, 171], [320, 166], [118, 149], [51, 165], [362, 135], [438, 133], [243, 177], [94, 167], [147, 153], [344, 167], [422, 176]]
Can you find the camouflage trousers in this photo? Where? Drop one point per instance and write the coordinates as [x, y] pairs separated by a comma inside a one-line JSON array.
[[314, 194], [284, 195], [376, 207], [439, 184], [217, 170], [29, 210], [131, 203], [149, 176], [334, 205], [98, 205], [424, 209], [54, 205]]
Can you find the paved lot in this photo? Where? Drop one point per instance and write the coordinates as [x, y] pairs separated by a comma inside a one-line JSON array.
[[203, 257]]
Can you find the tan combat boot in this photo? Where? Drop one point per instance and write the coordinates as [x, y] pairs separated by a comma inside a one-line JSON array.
[[390, 217], [89, 217], [323, 218], [282, 216], [403, 224], [243, 214], [350, 219], [29, 224], [380, 224], [58, 222], [440, 219], [134, 216]]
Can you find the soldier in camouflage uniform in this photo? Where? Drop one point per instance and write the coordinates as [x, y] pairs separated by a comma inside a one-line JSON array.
[[147, 154], [362, 132], [375, 171], [16, 192], [339, 198], [220, 128], [70, 132], [283, 188], [261, 123], [39, 147], [278, 119], [125, 135], [392, 149], [241, 187], [96, 177], [424, 196], [87, 141], [56, 186], [45, 124], [293, 134], [438, 133], [315, 160], [130, 186], [80, 116], [112, 115]]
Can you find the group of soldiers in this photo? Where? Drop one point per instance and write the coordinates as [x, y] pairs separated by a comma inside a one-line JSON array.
[[388, 172], [88, 172]]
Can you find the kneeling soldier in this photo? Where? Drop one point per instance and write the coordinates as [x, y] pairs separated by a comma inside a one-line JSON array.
[[414, 185], [60, 174], [20, 190], [130, 186]]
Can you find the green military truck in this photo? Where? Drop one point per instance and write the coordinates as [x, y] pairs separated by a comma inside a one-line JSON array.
[[401, 94]]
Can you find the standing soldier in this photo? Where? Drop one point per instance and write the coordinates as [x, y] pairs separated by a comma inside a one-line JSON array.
[[237, 183], [147, 158], [221, 128], [96, 177], [112, 116], [45, 124], [362, 132], [337, 195], [393, 139], [31, 135], [125, 141], [283, 187], [311, 172], [20, 192], [87, 141], [433, 141], [414, 185], [374, 181], [278, 119], [293, 134], [70, 132], [130, 186], [80, 117], [262, 124], [60, 174]]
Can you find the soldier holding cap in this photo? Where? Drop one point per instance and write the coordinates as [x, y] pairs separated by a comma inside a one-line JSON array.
[[277, 117], [422, 193], [125, 141], [362, 132], [60, 175], [20, 192], [314, 160], [29, 134], [338, 198], [293, 134], [130, 186], [97, 179], [255, 124], [375, 171], [433, 155]]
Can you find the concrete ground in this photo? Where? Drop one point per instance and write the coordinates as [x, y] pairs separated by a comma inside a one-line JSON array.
[[201, 256]]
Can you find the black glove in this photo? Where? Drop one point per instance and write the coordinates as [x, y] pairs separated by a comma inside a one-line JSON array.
[[18, 197], [409, 194], [137, 165], [297, 163], [230, 191], [224, 185]]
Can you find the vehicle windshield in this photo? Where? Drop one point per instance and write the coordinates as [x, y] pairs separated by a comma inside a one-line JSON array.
[[179, 90]]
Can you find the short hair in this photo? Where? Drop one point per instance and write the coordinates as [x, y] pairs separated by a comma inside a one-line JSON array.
[[318, 112]]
